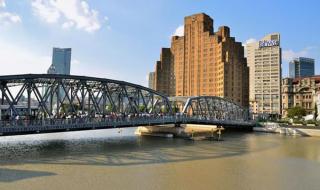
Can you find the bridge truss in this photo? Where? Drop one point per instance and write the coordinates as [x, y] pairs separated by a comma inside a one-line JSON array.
[[215, 108], [39, 96], [35, 103]]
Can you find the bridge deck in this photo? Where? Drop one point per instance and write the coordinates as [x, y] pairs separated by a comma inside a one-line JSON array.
[[46, 126]]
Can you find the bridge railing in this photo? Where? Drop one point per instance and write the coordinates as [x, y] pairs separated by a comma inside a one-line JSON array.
[[86, 120], [117, 121]]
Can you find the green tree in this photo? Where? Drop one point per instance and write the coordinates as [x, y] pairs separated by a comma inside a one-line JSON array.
[[142, 108], [109, 108], [66, 107], [175, 109], [164, 109], [296, 112]]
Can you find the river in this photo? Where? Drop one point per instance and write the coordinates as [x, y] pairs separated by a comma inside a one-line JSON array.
[[112, 159]]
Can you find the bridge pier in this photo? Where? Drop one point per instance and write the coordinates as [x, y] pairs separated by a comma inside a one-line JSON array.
[[194, 131]]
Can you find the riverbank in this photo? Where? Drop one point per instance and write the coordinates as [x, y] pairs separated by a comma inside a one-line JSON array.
[[270, 127]]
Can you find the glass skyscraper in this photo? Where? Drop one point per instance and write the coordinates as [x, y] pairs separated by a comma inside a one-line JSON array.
[[61, 59], [301, 67]]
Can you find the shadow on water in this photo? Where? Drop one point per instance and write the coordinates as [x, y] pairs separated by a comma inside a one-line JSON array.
[[10, 175], [128, 150]]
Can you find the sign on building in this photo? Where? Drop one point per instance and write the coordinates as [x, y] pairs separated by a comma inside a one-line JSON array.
[[268, 43]]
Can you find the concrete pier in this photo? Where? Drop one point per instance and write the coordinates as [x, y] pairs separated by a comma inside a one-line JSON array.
[[183, 131]]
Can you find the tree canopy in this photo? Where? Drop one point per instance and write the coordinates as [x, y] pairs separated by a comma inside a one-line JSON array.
[[296, 112]]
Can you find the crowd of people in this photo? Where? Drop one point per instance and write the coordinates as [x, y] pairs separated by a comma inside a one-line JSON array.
[[83, 118]]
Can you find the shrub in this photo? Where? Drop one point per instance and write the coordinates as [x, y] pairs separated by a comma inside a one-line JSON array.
[[283, 121], [311, 122], [297, 121], [296, 112]]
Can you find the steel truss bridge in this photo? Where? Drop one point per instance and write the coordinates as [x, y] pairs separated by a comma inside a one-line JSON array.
[[34, 103]]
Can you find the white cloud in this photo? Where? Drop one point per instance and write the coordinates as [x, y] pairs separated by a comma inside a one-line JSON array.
[[15, 59], [2, 3], [70, 13], [45, 11], [179, 31], [68, 25], [9, 18], [251, 40], [289, 55], [75, 62]]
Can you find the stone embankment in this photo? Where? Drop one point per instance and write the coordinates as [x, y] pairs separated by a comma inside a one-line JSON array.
[[270, 127]]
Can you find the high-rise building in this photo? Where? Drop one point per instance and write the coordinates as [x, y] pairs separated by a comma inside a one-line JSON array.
[[151, 80], [203, 62], [264, 61], [164, 73], [301, 67], [61, 59]]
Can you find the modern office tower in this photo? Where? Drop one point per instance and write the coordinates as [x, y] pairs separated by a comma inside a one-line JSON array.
[[302, 92], [301, 67], [61, 59], [151, 80], [204, 62], [264, 61]]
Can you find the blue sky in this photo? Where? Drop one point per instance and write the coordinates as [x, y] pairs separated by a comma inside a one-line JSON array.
[[121, 39]]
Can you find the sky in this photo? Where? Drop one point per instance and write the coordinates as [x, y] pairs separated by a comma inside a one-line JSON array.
[[121, 39]]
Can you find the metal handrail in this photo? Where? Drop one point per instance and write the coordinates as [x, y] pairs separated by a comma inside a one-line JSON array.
[[118, 121]]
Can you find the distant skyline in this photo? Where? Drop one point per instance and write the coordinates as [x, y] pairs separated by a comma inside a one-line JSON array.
[[122, 39]]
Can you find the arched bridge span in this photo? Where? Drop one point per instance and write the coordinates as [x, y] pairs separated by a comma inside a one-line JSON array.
[[58, 96], [215, 108], [48, 102]]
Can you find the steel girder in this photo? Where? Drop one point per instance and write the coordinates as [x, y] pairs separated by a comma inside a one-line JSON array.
[[56, 96], [215, 108]]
